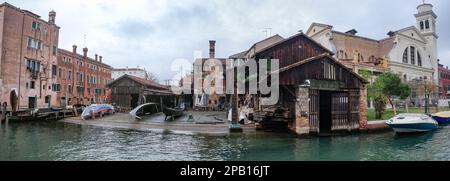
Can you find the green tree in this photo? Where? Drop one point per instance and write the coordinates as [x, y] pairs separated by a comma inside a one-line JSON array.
[[386, 87]]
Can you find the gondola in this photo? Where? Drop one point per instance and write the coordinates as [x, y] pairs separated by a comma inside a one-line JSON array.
[[173, 112]]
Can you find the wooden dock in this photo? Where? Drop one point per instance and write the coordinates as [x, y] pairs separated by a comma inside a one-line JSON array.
[[46, 114]]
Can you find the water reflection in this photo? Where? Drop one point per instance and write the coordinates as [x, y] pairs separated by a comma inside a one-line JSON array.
[[62, 141]]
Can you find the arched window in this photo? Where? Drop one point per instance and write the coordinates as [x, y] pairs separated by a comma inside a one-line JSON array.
[[413, 55], [346, 57], [419, 59], [405, 56], [421, 25], [427, 24]]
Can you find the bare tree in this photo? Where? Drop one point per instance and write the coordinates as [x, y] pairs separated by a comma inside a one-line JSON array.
[[152, 77]]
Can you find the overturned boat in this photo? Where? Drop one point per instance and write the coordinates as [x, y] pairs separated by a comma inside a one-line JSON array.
[[144, 110], [96, 109], [409, 123]]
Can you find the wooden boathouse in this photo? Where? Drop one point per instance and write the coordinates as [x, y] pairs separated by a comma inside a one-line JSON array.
[[322, 95], [129, 91]]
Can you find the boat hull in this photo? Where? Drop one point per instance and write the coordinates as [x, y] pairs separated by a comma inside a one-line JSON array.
[[96, 109], [413, 127], [442, 120]]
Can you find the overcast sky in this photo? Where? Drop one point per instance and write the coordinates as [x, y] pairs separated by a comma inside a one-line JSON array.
[[153, 33]]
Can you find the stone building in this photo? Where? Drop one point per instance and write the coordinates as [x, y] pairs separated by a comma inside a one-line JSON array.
[[81, 79], [410, 52], [29, 49]]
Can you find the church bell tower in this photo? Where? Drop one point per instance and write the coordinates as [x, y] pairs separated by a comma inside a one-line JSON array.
[[426, 24]]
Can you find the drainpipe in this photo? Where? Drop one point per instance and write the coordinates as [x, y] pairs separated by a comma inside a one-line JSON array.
[[20, 61]]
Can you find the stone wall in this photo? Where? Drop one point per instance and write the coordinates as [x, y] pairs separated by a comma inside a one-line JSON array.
[[301, 124], [363, 108]]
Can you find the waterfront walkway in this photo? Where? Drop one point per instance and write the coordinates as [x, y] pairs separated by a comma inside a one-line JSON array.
[[203, 123]]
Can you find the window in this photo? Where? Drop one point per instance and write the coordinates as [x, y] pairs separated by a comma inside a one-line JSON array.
[[56, 87], [54, 50], [35, 25], [413, 55], [34, 44], [69, 88], [419, 59], [69, 76], [60, 72], [32, 84], [33, 66], [421, 25], [47, 99], [427, 24], [54, 70], [405, 56]]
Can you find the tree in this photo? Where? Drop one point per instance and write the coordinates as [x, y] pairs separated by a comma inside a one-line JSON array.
[[424, 88], [152, 77], [389, 85]]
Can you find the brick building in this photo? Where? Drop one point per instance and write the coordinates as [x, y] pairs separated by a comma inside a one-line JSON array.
[[214, 99], [81, 79], [444, 82], [29, 47]]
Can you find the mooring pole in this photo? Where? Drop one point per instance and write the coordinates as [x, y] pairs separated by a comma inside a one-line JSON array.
[[235, 126]]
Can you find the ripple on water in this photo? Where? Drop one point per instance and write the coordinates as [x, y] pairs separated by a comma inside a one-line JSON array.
[[61, 141]]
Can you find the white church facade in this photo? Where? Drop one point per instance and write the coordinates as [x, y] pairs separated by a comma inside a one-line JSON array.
[[410, 52]]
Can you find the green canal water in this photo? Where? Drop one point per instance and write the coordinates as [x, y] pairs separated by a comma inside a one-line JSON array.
[[64, 141]]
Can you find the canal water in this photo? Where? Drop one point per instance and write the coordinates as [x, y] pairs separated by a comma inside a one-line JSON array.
[[64, 141]]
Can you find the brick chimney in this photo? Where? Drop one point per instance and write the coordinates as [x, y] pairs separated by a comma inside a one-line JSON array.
[[96, 57], [212, 49], [101, 59], [74, 49], [52, 17], [85, 50]]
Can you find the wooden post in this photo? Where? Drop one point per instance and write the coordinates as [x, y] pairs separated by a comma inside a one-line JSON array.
[[235, 126], [161, 101]]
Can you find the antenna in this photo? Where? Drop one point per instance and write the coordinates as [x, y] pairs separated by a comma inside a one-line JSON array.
[[268, 32]]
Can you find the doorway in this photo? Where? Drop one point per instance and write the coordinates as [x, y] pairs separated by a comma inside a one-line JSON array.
[[134, 100], [31, 102], [325, 122]]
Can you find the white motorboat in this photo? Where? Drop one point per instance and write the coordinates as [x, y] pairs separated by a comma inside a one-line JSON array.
[[408, 123]]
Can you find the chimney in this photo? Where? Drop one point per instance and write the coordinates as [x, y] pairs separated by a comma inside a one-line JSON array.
[[96, 57], [51, 17], [212, 49], [101, 59], [391, 33], [85, 50], [351, 32], [74, 49]]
